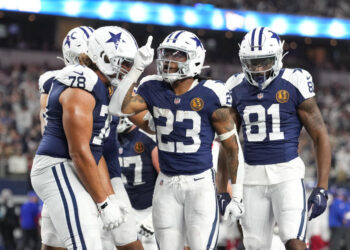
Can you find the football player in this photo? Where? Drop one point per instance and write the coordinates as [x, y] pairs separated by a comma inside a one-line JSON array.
[[118, 48], [138, 157], [273, 104], [73, 45], [65, 172], [187, 111]]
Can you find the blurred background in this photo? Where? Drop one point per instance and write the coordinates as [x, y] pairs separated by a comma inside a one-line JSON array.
[[316, 34]]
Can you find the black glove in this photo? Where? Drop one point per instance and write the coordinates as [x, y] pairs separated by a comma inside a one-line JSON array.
[[317, 202]]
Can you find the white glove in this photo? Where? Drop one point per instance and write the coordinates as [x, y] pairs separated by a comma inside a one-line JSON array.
[[110, 214], [144, 55], [146, 227], [123, 208], [235, 209]]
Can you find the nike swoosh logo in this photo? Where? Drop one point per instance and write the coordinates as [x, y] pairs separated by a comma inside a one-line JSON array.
[[79, 73], [222, 203], [318, 197], [197, 179], [307, 78]]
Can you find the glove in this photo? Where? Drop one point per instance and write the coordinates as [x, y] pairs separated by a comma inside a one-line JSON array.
[[146, 227], [144, 55], [223, 199], [234, 210], [317, 202], [111, 214], [123, 208]]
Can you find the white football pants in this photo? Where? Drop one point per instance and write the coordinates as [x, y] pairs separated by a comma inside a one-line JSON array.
[[185, 208], [284, 203]]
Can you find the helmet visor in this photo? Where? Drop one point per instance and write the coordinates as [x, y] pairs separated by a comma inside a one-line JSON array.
[[172, 54], [121, 66], [257, 65]]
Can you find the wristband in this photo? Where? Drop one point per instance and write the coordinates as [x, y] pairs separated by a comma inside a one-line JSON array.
[[115, 105], [237, 192]]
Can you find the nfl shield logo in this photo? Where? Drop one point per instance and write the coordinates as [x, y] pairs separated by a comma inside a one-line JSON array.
[[120, 151], [260, 96], [177, 100], [161, 182]]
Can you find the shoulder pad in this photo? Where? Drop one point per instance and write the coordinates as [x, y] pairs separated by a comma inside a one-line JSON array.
[[78, 76], [234, 80], [300, 79], [45, 77], [151, 78], [220, 90]]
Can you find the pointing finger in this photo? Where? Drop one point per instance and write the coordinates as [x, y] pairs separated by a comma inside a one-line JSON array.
[[149, 41]]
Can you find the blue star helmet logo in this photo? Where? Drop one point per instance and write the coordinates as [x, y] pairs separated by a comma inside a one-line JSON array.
[[198, 42], [67, 41], [274, 35], [115, 38]]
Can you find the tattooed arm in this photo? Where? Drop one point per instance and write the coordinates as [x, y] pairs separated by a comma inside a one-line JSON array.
[[223, 123], [312, 120], [133, 103], [236, 118]]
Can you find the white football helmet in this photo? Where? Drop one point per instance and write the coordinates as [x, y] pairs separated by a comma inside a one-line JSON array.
[[124, 124], [178, 44], [113, 50], [261, 53], [75, 43]]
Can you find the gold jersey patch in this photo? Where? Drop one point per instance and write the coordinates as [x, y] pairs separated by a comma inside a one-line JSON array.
[[110, 91], [139, 147], [282, 96], [197, 104]]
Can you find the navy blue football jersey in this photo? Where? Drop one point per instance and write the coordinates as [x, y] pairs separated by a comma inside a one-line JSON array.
[[270, 122], [54, 142], [183, 123], [110, 150], [135, 159]]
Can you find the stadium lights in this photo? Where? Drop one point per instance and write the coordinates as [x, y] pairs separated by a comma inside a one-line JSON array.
[[279, 25], [250, 22], [138, 13], [308, 28], [72, 8], [201, 16], [106, 10], [166, 16], [217, 20], [190, 18], [336, 29]]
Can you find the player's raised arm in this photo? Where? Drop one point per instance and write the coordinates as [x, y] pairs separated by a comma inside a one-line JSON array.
[[312, 120], [123, 101], [227, 134]]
